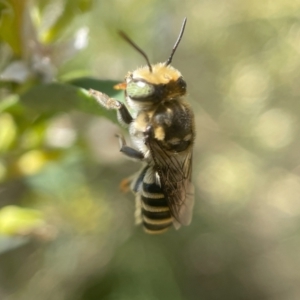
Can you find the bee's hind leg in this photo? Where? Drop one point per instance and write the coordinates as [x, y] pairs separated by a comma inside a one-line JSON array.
[[128, 151], [125, 184]]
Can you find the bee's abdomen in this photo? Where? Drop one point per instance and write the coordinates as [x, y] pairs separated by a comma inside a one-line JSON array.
[[156, 214], [151, 204]]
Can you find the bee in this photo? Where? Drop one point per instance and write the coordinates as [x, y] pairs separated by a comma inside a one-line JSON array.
[[162, 130]]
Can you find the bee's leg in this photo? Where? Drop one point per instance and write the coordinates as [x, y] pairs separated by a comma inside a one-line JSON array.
[[148, 134], [128, 151], [125, 184], [134, 182], [124, 115]]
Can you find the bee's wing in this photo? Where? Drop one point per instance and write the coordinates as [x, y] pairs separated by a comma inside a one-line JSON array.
[[175, 171]]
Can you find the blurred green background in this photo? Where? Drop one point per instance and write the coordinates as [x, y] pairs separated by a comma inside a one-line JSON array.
[[66, 230]]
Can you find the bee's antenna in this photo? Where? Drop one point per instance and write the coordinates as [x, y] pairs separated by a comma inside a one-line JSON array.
[[127, 39], [177, 43]]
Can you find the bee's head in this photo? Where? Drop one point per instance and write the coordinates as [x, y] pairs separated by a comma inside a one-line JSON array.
[[154, 83], [163, 83]]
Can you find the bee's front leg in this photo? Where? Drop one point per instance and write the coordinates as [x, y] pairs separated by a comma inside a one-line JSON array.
[[104, 100], [128, 151]]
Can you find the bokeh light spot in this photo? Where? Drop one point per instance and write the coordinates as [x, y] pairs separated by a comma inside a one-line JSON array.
[[274, 129]]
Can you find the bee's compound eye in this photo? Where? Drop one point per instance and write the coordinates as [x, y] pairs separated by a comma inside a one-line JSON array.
[[139, 90], [181, 83]]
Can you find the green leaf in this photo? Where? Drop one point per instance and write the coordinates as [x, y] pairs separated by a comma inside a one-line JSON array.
[[9, 103], [71, 10], [11, 18], [59, 97], [104, 86], [8, 243], [8, 132]]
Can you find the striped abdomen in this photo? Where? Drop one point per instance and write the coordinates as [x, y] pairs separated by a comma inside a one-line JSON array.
[[151, 205]]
